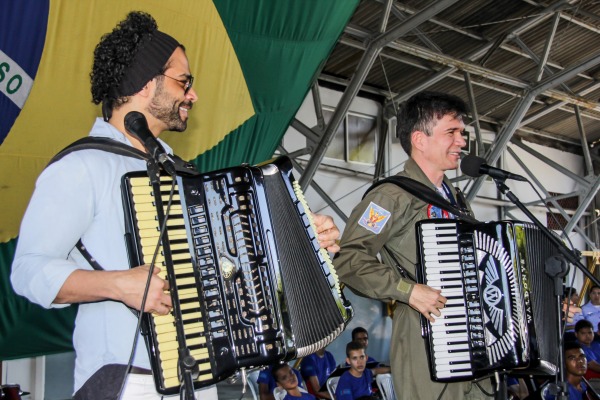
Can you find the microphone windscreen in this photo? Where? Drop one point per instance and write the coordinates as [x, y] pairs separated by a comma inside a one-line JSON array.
[[136, 124], [471, 165]]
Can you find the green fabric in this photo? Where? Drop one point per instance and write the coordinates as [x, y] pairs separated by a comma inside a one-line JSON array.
[[282, 46], [26, 329]]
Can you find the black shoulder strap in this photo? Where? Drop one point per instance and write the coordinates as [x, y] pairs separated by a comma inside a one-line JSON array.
[[424, 193], [100, 143], [113, 146]]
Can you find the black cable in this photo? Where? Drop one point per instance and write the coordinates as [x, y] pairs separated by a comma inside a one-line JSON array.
[[476, 383], [442, 392]]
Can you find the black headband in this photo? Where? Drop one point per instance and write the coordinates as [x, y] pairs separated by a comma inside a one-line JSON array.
[[150, 58]]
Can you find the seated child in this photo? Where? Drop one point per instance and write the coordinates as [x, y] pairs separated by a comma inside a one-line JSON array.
[[356, 382], [286, 379], [585, 337], [315, 369], [266, 382]]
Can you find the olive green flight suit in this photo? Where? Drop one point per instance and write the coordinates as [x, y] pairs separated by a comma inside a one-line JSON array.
[[358, 267]]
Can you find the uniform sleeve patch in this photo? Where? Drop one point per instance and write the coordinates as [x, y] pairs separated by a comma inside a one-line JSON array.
[[374, 218]]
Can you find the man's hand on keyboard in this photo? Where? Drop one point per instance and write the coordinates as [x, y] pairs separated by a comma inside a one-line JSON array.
[[427, 300], [327, 231]]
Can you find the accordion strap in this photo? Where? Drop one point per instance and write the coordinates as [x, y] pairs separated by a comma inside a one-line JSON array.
[[428, 195], [425, 193], [113, 146]]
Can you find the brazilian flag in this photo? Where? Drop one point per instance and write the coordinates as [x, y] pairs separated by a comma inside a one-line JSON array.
[[254, 62]]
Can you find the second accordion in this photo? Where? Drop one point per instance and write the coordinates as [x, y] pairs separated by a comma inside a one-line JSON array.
[[500, 313]]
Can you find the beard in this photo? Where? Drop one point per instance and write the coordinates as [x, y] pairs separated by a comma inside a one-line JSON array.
[[166, 109]]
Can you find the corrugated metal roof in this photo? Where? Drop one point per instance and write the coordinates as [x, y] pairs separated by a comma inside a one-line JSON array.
[[513, 35]]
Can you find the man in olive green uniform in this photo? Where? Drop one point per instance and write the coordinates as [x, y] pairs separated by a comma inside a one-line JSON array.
[[430, 129]]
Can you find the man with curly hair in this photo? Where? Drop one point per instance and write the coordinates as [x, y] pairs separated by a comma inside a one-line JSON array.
[[136, 68]]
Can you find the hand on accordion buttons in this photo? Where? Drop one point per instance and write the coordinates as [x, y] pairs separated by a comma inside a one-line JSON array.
[[327, 232], [133, 284], [427, 300], [572, 311]]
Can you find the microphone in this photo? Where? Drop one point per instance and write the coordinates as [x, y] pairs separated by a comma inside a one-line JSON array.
[[475, 166], [136, 125]]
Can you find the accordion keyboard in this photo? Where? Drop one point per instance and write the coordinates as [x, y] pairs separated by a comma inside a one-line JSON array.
[[497, 298], [458, 333], [244, 266]]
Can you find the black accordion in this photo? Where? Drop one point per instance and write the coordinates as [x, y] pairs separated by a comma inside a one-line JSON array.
[[246, 273], [501, 312]]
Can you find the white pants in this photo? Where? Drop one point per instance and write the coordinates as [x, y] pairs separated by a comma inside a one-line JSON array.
[[141, 387]]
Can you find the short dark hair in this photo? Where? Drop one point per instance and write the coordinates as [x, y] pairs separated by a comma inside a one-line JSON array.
[[422, 111], [584, 323], [352, 346], [275, 368], [569, 291], [357, 330], [571, 345]]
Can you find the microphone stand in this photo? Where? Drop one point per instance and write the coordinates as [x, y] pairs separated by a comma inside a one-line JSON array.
[[188, 368], [556, 268]]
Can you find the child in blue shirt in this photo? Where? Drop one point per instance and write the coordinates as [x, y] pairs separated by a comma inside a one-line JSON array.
[[356, 382], [266, 382], [286, 379]]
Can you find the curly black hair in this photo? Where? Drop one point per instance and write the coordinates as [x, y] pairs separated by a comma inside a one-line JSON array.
[[114, 54]]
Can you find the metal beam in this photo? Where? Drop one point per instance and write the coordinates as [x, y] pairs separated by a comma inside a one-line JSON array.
[[362, 70], [578, 179], [488, 76], [587, 159], [540, 113], [481, 51], [523, 105], [308, 133], [547, 47], [504, 46], [474, 113], [584, 205], [552, 199], [385, 15], [316, 94]]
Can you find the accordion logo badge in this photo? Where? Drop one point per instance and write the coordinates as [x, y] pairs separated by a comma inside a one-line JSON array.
[[374, 218]]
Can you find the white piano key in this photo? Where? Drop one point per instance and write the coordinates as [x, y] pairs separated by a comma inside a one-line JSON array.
[[439, 276], [445, 348], [449, 322], [448, 339], [446, 292], [445, 266], [438, 228], [432, 240], [456, 366], [452, 359], [441, 257], [434, 249], [447, 330], [447, 375]]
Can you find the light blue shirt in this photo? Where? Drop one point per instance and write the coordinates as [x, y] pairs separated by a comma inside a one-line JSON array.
[[591, 313], [80, 197]]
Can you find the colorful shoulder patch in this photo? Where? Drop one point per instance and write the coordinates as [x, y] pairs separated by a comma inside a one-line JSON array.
[[374, 218], [436, 212]]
